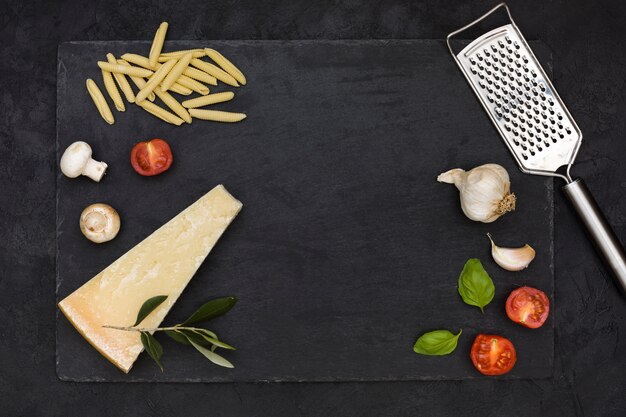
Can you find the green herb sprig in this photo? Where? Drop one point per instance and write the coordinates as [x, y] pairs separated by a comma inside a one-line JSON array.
[[183, 333]]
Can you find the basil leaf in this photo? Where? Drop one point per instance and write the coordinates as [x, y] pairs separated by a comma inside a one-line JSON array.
[[475, 286], [212, 356], [153, 347], [211, 309], [437, 342], [148, 307]]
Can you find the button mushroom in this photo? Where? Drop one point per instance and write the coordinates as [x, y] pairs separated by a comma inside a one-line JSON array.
[[99, 222], [76, 160]]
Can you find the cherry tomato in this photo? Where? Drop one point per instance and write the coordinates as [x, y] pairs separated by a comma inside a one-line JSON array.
[[528, 306], [493, 355], [152, 157]]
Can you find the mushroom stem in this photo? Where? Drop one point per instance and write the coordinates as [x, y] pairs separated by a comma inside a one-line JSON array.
[[94, 169]]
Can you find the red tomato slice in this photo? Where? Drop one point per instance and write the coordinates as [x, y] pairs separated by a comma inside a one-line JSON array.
[[528, 306], [493, 355], [152, 157]]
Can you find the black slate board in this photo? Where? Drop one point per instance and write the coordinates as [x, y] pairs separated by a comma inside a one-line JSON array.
[[347, 248]]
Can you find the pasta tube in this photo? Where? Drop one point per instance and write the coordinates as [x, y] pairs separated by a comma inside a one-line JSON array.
[[179, 89], [176, 72], [210, 99], [111, 88], [122, 81], [157, 44], [197, 53], [217, 116], [155, 80], [128, 70], [226, 65], [161, 113], [138, 81], [196, 74], [100, 101], [214, 71], [142, 61], [173, 104], [193, 85]]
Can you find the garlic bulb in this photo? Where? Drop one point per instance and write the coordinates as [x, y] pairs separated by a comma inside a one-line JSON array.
[[512, 259], [485, 191]]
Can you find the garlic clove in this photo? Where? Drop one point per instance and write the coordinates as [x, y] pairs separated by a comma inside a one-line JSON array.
[[512, 259]]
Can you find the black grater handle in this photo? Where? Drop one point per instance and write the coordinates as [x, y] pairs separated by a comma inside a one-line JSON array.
[[598, 229]]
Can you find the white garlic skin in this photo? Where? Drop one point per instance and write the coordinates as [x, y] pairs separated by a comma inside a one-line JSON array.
[[512, 259], [485, 191]]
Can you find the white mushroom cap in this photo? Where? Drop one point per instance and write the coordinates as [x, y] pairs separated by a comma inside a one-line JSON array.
[[99, 222], [76, 160]]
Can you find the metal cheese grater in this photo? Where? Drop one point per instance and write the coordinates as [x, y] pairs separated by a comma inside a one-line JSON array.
[[533, 121]]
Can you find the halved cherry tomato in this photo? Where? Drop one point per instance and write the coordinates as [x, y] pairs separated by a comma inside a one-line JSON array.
[[528, 306], [152, 157], [493, 355]]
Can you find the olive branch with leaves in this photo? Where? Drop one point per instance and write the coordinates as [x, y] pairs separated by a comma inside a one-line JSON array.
[[183, 333]]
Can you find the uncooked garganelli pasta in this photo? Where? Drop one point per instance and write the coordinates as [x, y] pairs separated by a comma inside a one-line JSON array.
[[161, 74], [122, 82], [100, 101], [174, 105], [161, 113], [207, 100], [157, 44], [109, 85], [216, 115]]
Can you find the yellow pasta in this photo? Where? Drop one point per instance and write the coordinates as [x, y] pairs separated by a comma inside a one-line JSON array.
[[176, 72], [124, 69], [155, 80], [161, 113], [142, 61], [226, 65], [210, 99], [193, 85], [196, 74], [173, 104], [177, 54], [216, 115], [114, 93], [165, 58], [100, 101], [138, 81], [214, 71], [179, 89], [157, 45], [122, 81]]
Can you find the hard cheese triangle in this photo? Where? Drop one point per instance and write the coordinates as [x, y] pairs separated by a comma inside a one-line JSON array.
[[162, 264]]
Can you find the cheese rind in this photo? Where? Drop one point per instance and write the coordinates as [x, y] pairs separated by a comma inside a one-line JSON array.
[[162, 264]]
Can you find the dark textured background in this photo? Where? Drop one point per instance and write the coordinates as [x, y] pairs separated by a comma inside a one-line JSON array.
[[347, 248], [587, 39]]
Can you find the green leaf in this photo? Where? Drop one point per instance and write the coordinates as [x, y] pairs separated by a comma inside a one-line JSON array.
[[211, 309], [183, 336], [437, 342], [153, 347], [148, 307], [475, 285], [212, 356], [213, 340]]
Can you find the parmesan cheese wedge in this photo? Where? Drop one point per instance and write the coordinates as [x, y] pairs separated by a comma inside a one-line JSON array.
[[162, 264]]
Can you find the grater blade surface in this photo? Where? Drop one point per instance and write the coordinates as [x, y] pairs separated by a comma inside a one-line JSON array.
[[520, 100]]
